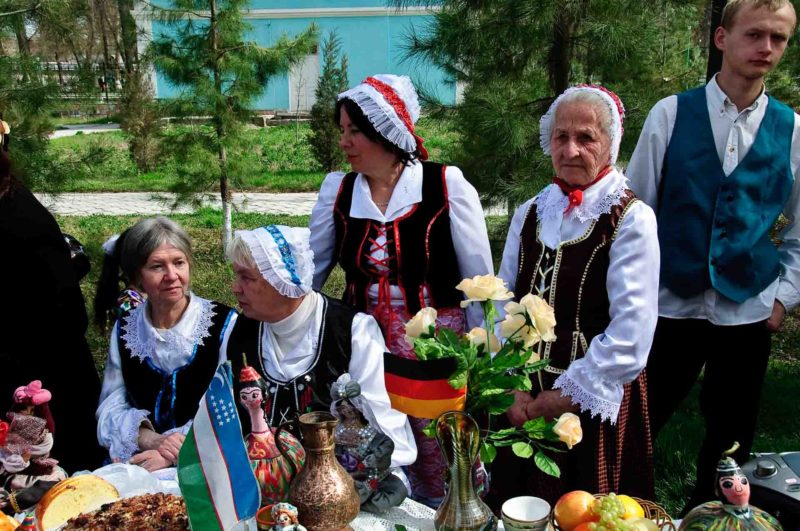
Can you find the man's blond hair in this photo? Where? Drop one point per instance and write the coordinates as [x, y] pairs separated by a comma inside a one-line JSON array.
[[733, 7]]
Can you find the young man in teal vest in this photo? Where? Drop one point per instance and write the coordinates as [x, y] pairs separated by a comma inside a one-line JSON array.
[[719, 164]]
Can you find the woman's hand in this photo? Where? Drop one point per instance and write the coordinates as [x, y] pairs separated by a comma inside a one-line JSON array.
[[517, 413], [550, 404], [170, 446], [148, 438], [150, 460]]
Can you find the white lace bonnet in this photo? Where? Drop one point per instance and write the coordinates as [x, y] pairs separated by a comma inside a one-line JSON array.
[[283, 256], [615, 107], [338, 394], [391, 105]]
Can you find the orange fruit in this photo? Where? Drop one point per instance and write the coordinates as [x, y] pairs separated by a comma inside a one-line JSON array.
[[574, 508], [582, 527]]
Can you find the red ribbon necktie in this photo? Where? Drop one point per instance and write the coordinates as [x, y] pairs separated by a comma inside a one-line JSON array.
[[574, 193]]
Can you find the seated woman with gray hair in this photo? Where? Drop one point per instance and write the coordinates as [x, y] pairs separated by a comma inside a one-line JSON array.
[[300, 341], [163, 353]]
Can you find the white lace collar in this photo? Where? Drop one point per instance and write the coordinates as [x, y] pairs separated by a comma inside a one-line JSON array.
[[141, 337], [597, 200], [407, 192]]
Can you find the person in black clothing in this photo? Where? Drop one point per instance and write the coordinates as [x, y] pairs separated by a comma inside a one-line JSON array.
[[43, 322]]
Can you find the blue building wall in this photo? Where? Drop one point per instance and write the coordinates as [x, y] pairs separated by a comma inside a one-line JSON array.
[[372, 37]]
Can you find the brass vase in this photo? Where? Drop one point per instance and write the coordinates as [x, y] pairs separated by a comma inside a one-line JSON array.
[[323, 491], [462, 509]]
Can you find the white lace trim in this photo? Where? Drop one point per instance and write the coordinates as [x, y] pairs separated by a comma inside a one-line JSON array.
[[128, 442], [608, 411], [551, 203], [142, 344], [382, 116], [547, 119]]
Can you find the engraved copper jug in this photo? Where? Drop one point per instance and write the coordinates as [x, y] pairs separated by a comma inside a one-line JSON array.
[[323, 491]]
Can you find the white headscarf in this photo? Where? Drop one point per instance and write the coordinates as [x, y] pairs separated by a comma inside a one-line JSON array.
[[615, 107], [283, 256]]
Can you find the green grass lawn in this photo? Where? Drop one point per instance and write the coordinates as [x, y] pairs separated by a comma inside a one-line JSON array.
[[281, 154], [779, 423]]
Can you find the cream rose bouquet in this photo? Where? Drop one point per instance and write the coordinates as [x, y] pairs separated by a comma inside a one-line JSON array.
[[491, 369]]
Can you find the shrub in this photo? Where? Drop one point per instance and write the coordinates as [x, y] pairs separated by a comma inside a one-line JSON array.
[[324, 131]]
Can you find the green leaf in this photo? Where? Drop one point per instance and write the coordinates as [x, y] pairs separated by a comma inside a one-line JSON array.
[[504, 432], [536, 366], [498, 404], [536, 428], [546, 464], [458, 379], [488, 452], [522, 449], [430, 429]]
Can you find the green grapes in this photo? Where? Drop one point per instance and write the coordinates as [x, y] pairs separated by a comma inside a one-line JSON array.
[[610, 510]]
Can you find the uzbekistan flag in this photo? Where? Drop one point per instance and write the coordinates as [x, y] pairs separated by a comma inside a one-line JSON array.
[[214, 471], [420, 388]]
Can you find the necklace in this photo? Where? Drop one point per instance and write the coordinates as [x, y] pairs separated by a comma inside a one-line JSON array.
[[382, 205]]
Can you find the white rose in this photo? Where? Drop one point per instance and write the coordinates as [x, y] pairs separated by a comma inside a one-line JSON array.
[[542, 315], [477, 336], [514, 328], [568, 429], [420, 324], [484, 288]]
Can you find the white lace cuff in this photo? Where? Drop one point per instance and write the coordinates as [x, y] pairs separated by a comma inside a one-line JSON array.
[[125, 442], [599, 398]]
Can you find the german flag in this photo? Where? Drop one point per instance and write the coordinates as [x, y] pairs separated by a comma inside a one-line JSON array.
[[419, 388]]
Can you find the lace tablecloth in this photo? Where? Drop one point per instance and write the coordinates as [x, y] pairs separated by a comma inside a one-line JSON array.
[[409, 514]]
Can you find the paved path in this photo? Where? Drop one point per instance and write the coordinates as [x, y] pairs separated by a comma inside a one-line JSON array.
[[86, 129], [86, 204], [146, 203]]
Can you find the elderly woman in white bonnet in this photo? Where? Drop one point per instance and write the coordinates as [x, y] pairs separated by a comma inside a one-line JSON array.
[[299, 340], [589, 247]]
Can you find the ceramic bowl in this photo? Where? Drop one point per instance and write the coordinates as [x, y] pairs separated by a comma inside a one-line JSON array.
[[525, 513]]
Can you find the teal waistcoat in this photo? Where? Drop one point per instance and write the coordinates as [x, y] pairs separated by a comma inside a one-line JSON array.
[[713, 229]]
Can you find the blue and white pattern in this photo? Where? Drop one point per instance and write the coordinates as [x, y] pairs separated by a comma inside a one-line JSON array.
[[286, 252]]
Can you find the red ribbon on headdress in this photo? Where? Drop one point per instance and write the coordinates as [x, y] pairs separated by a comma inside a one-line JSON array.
[[614, 98], [400, 108], [3, 433], [574, 193]]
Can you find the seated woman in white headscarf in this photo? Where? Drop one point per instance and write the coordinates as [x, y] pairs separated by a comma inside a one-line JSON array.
[[300, 341]]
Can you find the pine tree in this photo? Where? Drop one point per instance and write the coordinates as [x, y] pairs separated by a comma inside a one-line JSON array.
[[514, 57], [333, 80], [219, 74]]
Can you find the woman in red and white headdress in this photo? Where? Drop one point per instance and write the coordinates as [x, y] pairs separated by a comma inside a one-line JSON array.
[[589, 247], [404, 229]]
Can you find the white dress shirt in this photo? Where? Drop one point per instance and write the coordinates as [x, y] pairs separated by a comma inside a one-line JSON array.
[[118, 421], [289, 349], [734, 133], [616, 356], [467, 225]]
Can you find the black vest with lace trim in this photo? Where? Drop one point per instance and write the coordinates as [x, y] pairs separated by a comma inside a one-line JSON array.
[[572, 279], [309, 391], [172, 398], [421, 257]]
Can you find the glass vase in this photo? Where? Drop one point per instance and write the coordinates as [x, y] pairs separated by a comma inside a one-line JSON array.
[[462, 509]]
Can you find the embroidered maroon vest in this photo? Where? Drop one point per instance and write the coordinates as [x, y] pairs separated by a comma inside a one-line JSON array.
[[421, 257], [572, 279]]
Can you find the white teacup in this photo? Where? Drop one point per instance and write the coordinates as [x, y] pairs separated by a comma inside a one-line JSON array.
[[525, 513]]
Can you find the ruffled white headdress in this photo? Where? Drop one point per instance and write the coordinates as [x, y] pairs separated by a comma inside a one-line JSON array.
[[391, 105], [283, 256], [615, 107]]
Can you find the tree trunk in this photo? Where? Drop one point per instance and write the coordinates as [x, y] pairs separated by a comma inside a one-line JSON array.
[[224, 189], [714, 55], [23, 44], [559, 57], [127, 26]]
